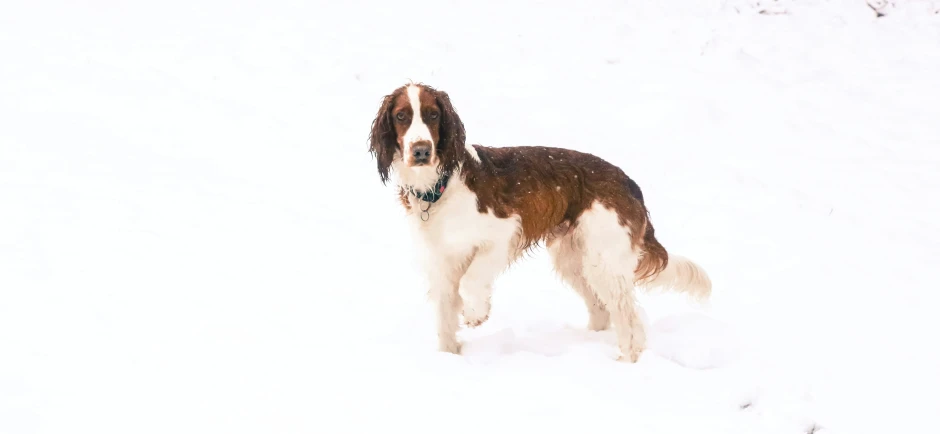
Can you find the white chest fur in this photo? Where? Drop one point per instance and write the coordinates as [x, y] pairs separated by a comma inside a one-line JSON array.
[[454, 225]]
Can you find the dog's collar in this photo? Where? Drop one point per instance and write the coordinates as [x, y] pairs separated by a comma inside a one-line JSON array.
[[436, 192]]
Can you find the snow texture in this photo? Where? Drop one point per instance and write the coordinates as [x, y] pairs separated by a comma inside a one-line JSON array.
[[193, 238]]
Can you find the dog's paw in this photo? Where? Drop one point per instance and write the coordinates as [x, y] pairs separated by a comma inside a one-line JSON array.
[[475, 321], [599, 322], [450, 346], [630, 356], [475, 312]]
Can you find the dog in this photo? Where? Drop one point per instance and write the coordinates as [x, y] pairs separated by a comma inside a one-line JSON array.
[[475, 210]]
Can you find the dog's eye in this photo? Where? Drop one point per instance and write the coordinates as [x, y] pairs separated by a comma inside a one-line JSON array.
[[434, 115], [400, 116]]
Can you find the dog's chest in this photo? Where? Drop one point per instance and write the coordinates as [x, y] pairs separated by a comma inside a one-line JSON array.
[[454, 224]]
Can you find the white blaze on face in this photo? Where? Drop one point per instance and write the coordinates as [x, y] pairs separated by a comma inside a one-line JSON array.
[[418, 131]]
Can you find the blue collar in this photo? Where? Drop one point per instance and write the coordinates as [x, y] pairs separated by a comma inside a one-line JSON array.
[[436, 192]]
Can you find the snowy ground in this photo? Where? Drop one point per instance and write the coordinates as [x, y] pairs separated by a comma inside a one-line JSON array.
[[193, 238]]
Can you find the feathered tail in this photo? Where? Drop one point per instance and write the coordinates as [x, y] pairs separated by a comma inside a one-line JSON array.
[[680, 275], [659, 270]]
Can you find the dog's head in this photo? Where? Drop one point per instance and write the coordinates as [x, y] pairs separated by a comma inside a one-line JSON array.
[[417, 132]]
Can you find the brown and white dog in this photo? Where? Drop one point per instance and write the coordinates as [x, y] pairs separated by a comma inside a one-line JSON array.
[[476, 209]]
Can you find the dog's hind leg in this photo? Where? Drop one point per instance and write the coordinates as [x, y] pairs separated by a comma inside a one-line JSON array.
[[567, 255], [608, 266]]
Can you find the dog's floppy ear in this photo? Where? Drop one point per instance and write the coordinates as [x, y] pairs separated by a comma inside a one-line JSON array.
[[452, 136], [383, 141]]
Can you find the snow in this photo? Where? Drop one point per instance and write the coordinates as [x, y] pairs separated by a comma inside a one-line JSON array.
[[193, 237]]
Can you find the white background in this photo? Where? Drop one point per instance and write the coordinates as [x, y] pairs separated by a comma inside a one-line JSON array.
[[193, 237]]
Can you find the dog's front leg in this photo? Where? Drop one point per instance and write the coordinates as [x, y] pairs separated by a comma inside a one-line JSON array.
[[476, 285], [447, 304]]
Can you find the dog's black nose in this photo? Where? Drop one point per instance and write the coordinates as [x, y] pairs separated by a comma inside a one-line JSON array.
[[421, 152]]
